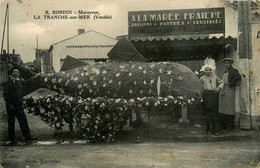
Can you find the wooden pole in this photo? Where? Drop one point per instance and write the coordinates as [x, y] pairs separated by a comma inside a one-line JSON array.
[[4, 30], [244, 56], [37, 41], [7, 26]]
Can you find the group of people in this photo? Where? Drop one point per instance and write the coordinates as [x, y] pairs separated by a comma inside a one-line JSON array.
[[218, 99], [218, 96]]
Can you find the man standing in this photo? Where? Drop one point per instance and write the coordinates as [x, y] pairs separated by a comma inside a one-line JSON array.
[[13, 95], [231, 79]]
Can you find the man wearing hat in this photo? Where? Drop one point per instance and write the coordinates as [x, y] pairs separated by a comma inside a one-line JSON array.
[[13, 95], [231, 79]]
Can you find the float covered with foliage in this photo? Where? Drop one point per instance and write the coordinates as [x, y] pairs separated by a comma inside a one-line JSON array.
[[97, 119], [126, 80], [100, 98]]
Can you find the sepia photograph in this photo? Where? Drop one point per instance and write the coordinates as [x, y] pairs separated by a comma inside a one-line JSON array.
[[130, 84]]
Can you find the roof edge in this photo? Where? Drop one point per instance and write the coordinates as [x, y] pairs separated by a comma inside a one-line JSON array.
[[82, 34]]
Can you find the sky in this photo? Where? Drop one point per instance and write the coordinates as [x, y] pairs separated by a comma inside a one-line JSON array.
[[24, 29]]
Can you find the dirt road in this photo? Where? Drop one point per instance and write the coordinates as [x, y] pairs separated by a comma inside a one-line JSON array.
[[196, 155]]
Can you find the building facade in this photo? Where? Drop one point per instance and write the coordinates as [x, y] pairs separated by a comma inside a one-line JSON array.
[[193, 47], [43, 61], [90, 47]]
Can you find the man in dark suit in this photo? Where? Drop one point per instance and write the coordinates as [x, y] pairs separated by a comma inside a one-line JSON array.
[[13, 95], [231, 79]]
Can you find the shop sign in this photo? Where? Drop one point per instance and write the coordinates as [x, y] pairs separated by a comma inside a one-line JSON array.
[[185, 21]]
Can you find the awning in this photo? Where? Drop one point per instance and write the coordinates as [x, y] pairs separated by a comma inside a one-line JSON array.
[[184, 49], [125, 51], [72, 63]]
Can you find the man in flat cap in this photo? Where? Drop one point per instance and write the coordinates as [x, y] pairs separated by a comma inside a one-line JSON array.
[[13, 94], [231, 79]]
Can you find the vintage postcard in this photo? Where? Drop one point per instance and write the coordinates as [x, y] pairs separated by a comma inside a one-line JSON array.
[[130, 83]]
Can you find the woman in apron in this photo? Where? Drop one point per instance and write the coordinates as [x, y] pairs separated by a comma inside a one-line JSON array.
[[231, 79]]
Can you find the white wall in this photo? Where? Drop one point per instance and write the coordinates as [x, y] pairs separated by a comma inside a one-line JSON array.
[[231, 22], [255, 70], [98, 45], [56, 55]]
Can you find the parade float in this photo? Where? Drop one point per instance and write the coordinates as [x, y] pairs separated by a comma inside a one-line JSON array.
[[100, 98]]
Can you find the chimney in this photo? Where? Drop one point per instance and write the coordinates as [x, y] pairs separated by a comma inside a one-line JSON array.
[[81, 31], [13, 51]]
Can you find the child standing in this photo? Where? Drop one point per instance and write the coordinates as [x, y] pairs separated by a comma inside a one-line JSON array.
[[211, 85]]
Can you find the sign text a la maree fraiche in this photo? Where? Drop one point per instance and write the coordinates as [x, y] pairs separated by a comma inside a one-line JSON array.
[[185, 21]]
